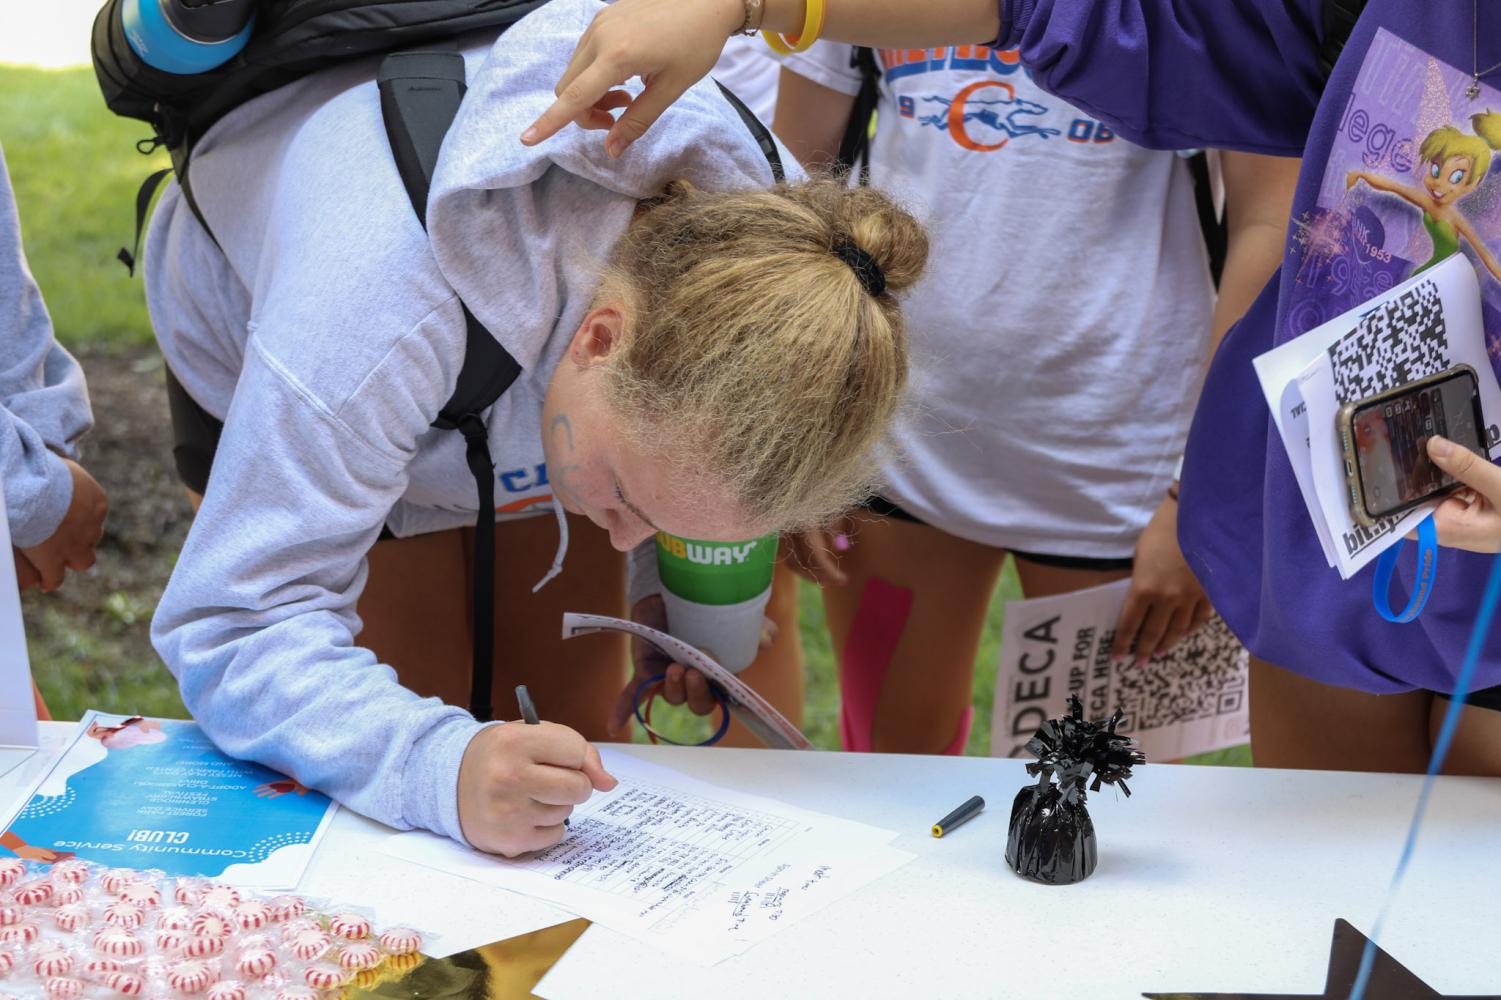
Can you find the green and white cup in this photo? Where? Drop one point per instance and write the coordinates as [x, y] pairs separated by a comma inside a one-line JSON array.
[[716, 594]]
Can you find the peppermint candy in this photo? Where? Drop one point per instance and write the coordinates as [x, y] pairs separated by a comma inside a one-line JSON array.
[[310, 945], [175, 919], [401, 941], [33, 893], [67, 894], [117, 942], [349, 926], [256, 962], [187, 893], [251, 914], [220, 896], [123, 914], [191, 977], [142, 894], [9, 915], [171, 939], [11, 870], [71, 870], [7, 962], [124, 983], [287, 908], [296, 993], [22, 933], [116, 879], [52, 962], [211, 923], [64, 988], [358, 956], [324, 977], [203, 947], [73, 917], [227, 990], [97, 967]]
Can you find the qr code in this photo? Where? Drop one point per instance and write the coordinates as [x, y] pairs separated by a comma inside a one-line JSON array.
[[1399, 342], [1203, 677]]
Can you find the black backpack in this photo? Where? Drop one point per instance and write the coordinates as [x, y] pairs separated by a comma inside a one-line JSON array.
[[422, 83]]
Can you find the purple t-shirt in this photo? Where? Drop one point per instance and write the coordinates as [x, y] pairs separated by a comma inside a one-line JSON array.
[[1243, 74]]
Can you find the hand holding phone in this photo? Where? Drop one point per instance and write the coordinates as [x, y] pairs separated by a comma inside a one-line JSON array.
[[1471, 518], [1388, 465]]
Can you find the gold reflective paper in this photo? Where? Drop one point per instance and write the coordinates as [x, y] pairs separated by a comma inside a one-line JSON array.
[[498, 971]]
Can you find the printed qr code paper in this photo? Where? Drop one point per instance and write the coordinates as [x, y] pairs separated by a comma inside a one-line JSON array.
[[1191, 701]]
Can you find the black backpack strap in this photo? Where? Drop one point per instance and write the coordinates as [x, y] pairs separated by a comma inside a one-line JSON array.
[[854, 147], [129, 255], [1211, 224], [759, 130], [420, 93], [1339, 20]]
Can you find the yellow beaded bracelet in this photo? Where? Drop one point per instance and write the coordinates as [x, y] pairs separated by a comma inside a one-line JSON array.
[[812, 28]]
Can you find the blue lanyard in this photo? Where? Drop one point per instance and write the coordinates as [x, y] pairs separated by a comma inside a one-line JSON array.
[[1386, 566]]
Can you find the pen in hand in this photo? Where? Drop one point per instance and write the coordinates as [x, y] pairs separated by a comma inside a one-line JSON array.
[[529, 713]]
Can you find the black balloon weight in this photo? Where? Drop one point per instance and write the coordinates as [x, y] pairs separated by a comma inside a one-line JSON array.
[[1051, 838]]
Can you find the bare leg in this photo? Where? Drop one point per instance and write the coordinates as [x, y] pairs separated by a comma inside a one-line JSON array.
[[1297, 722], [927, 685], [1477, 743]]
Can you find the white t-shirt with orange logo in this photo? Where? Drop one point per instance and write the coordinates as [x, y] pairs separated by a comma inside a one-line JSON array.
[[1060, 335]]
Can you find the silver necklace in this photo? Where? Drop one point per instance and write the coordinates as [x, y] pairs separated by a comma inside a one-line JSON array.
[[1473, 90]]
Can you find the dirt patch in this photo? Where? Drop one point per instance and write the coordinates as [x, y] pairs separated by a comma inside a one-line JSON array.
[[90, 641]]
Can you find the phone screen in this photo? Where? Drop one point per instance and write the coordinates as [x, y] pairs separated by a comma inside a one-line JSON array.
[[1391, 438]]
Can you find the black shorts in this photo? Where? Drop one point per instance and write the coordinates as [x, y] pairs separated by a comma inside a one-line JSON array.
[[1484, 698], [885, 508]]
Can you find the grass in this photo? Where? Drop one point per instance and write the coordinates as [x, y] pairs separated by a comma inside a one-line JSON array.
[[76, 172]]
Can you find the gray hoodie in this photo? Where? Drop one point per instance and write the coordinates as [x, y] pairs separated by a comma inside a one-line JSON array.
[[327, 334], [44, 406]]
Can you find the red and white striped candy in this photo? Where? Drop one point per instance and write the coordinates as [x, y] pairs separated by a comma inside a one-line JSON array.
[[67, 894], [256, 962], [11, 870], [349, 926], [310, 944], [292, 929], [221, 896], [123, 914], [142, 894], [324, 977], [251, 914], [187, 893], [7, 962], [287, 908], [358, 956], [227, 990], [74, 917], [33, 893], [175, 919], [71, 870], [124, 983], [212, 923], [96, 967], [52, 962], [401, 941], [203, 947], [296, 993], [116, 942], [9, 915], [116, 879], [191, 977], [171, 939], [64, 987], [22, 933]]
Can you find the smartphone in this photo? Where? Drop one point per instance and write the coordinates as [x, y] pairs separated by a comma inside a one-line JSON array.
[[1385, 441]]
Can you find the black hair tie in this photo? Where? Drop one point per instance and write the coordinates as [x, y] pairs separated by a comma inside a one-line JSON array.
[[869, 273]]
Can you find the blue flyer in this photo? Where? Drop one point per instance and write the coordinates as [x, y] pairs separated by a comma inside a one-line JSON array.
[[157, 793]]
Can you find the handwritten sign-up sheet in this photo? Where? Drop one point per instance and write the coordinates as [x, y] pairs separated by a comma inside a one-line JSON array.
[[696, 870]]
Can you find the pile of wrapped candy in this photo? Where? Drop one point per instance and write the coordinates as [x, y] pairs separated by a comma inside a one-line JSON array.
[[75, 930]]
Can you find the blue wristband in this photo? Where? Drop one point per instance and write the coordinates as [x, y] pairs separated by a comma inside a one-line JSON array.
[[724, 713], [1386, 566]]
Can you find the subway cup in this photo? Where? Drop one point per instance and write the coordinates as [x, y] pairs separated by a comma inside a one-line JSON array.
[[716, 594]]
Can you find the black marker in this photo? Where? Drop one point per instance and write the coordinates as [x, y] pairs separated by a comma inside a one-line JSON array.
[[528, 712], [959, 816]]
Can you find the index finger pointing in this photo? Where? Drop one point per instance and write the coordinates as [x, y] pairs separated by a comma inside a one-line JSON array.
[[574, 100]]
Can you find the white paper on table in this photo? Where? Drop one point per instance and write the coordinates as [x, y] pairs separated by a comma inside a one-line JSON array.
[[754, 712], [1191, 700], [18, 726], [696, 870]]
